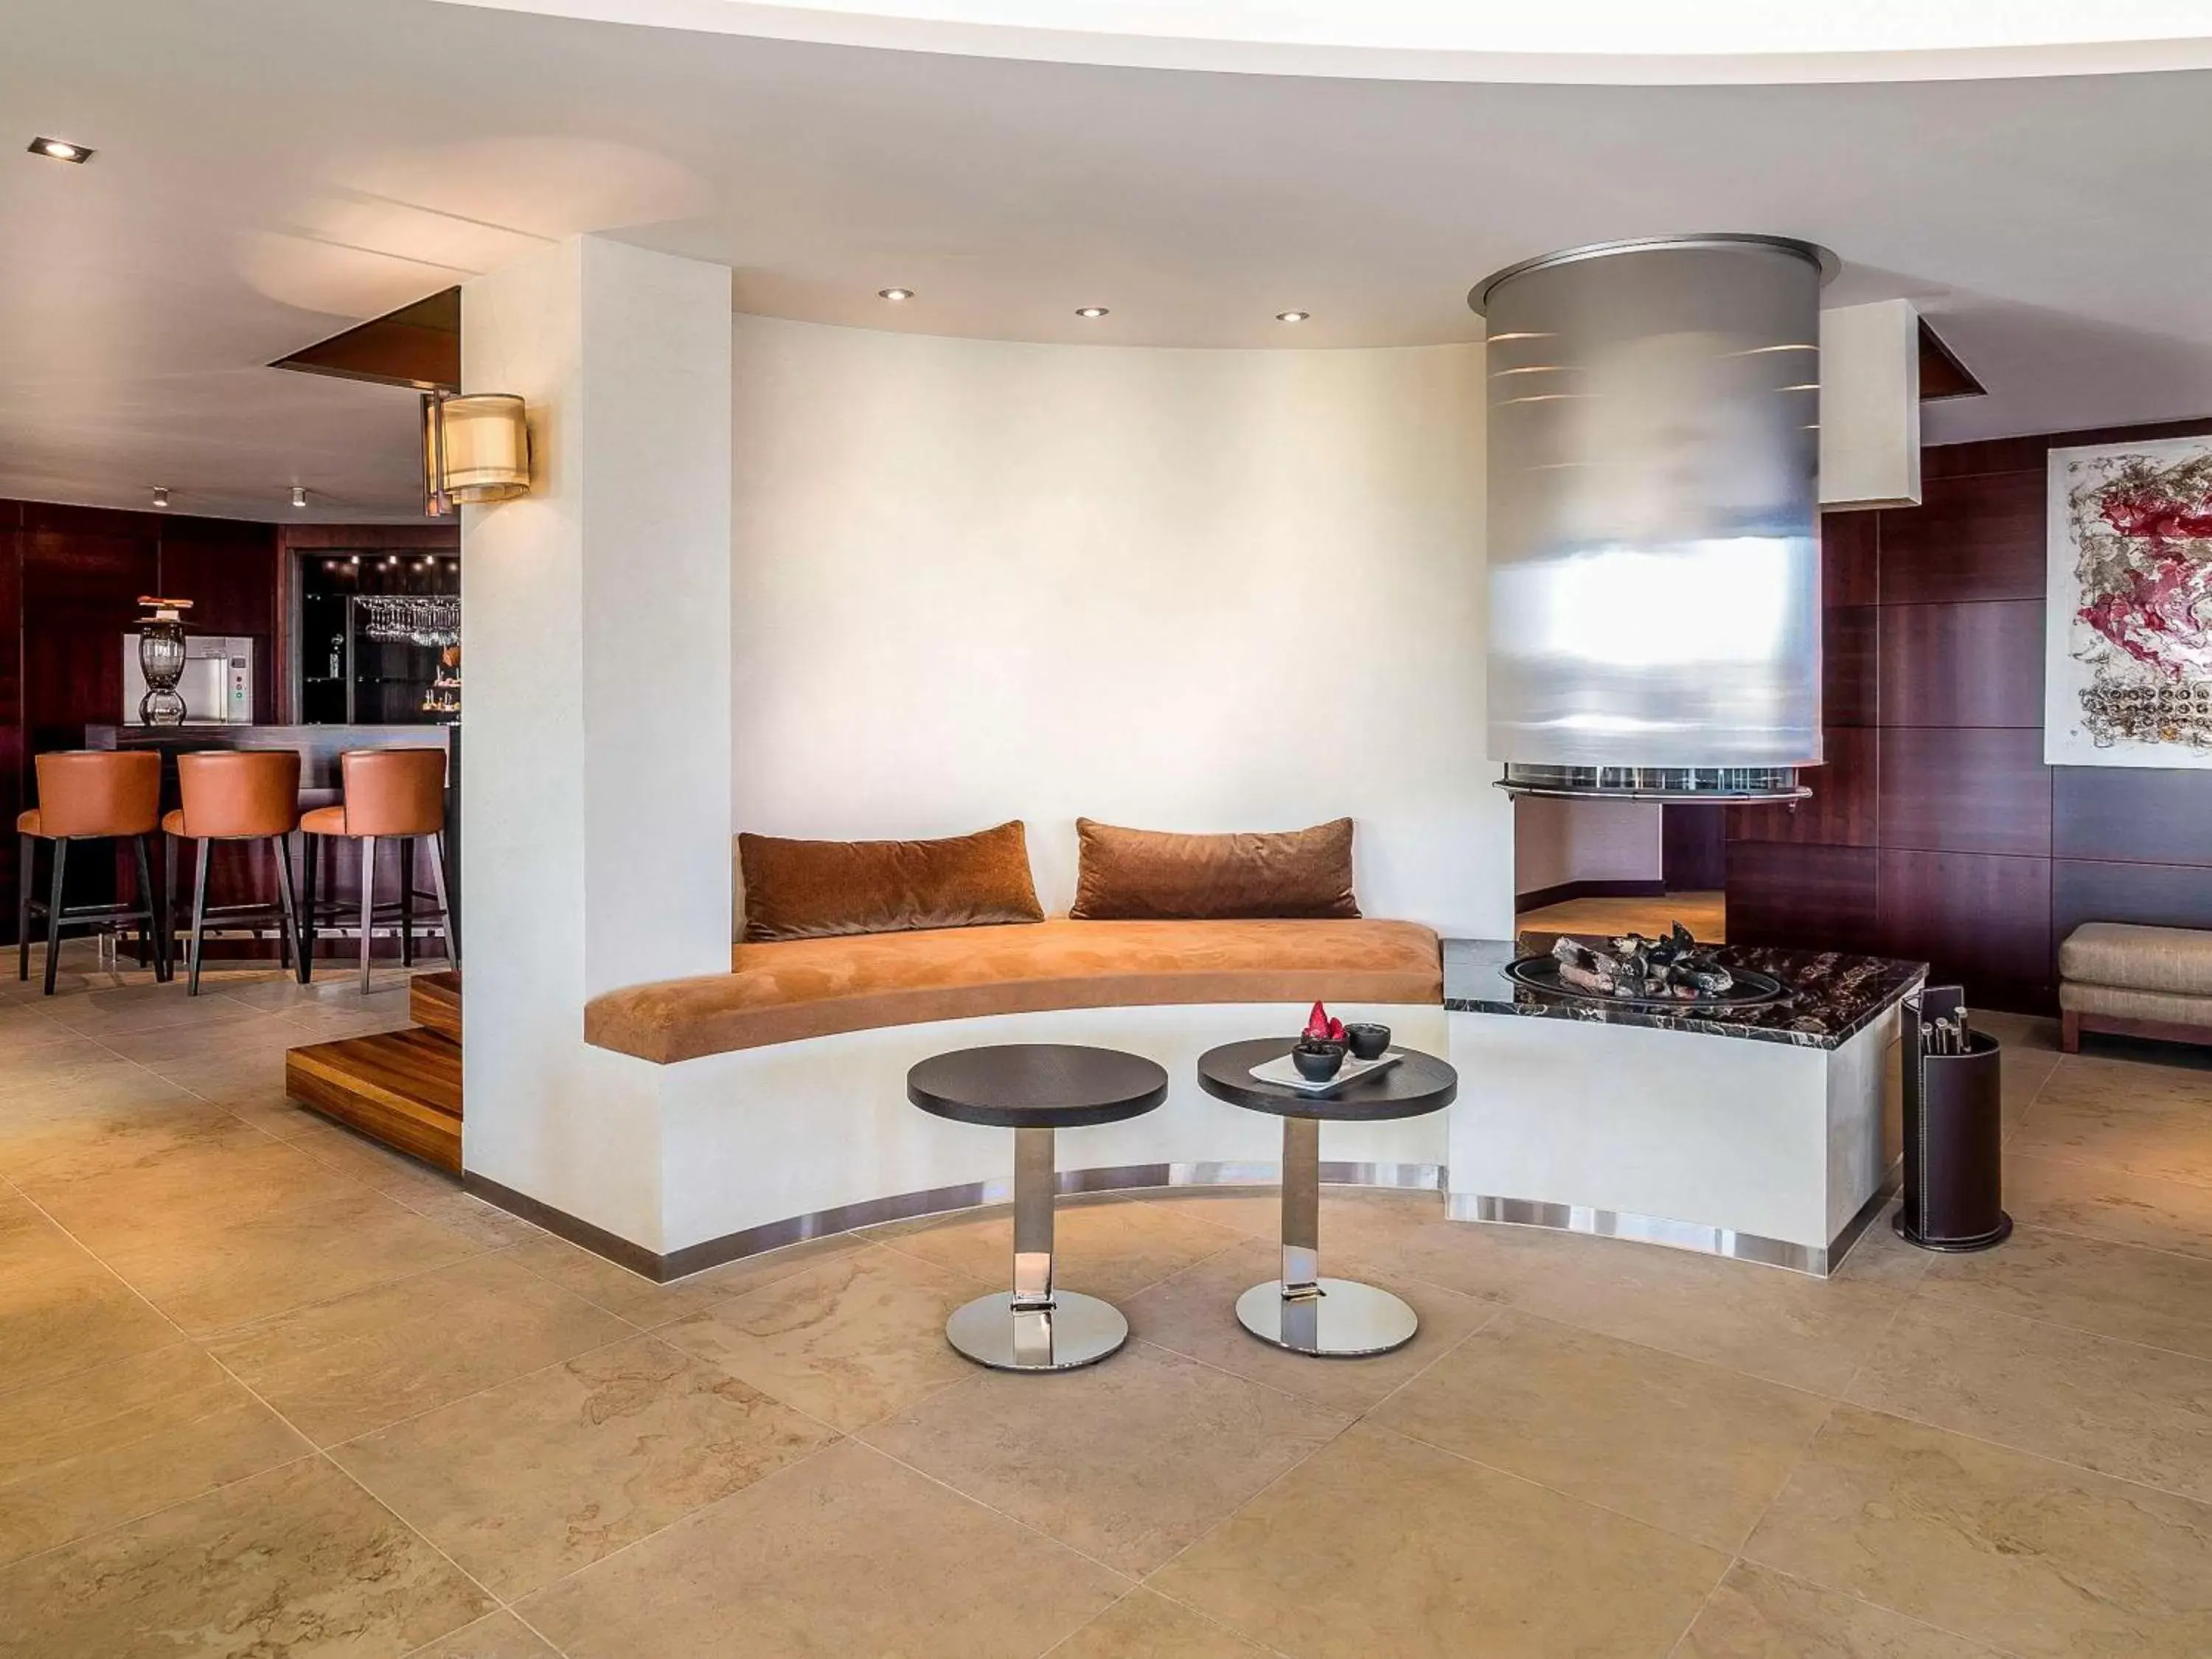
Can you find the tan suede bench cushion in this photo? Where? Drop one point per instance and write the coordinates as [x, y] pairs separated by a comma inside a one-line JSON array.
[[793, 989], [2176, 960]]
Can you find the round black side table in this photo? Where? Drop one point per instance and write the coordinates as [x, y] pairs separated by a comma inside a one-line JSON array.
[[1303, 1311], [1036, 1089]]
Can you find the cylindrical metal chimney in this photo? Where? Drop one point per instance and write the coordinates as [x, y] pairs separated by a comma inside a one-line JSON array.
[[1654, 575]]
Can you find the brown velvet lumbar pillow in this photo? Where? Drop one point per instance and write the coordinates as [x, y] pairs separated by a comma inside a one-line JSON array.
[[815, 888], [1144, 875]]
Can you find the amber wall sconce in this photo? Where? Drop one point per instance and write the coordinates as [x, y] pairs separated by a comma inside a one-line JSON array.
[[476, 449]]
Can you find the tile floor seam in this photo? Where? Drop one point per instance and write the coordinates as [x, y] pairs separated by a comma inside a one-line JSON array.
[[2203, 1504], [2058, 1155], [1571, 1498], [1132, 1580], [2072, 1330], [801, 1462], [91, 1533], [1995, 1649], [499, 1603], [248, 1327], [489, 1388]]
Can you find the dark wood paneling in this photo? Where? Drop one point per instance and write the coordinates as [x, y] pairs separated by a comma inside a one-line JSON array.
[[1811, 898], [228, 571], [79, 597], [1693, 847], [1967, 815], [2132, 813], [1981, 921], [2161, 895], [1848, 558], [1974, 664], [13, 763], [1849, 678], [1964, 789], [1976, 537], [2020, 454], [1841, 812]]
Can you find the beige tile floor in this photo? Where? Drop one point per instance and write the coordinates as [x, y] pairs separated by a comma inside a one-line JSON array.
[[268, 1392]]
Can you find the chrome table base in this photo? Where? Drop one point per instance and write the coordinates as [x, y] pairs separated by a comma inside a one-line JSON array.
[[1072, 1330], [1035, 1328], [1337, 1318], [1301, 1311]]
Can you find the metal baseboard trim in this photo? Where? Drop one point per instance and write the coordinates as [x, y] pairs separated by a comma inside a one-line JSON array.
[[1703, 1239], [936, 1200]]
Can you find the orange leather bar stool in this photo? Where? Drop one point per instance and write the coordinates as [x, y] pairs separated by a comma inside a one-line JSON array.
[[237, 794], [390, 794], [88, 794]]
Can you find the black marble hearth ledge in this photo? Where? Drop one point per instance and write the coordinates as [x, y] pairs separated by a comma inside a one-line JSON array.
[[1832, 996]]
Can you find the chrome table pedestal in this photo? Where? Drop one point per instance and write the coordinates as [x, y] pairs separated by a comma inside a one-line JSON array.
[[1035, 1327], [1303, 1311], [1337, 1318], [1036, 1090]]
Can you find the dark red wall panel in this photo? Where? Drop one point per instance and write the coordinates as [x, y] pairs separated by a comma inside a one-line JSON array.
[[1803, 897], [1965, 789], [1976, 537], [1980, 920], [1977, 663]]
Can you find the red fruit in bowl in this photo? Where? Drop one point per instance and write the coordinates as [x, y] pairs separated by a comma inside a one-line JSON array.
[[1317, 1023], [1336, 1030]]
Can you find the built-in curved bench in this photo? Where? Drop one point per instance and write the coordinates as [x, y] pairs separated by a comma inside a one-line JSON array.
[[794, 989], [777, 1090]]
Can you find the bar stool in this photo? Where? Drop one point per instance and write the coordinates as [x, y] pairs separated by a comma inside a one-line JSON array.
[[90, 794], [236, 795], [390, 793]]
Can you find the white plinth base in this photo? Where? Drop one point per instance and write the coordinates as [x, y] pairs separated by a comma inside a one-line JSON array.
[[1761, 1150]]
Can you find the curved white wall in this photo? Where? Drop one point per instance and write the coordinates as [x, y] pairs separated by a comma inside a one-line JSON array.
[[1193, 590]]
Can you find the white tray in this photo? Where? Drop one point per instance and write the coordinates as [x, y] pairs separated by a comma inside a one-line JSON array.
[[1284, 1071]]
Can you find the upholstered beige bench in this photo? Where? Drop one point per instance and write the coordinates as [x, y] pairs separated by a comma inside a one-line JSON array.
[[2135, 982], [794, 989]]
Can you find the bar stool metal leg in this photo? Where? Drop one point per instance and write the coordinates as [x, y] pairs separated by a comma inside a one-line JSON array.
[[367, 903], [157, 937], [407, 901], [1303, 1311], [54, 912], [310, 846], [27, 851], [199, 916], [445, 907], [1036, 1326], [284, 846]]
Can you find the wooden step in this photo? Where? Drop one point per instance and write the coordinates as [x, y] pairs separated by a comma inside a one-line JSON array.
[[434, 1000], [403, 1088]]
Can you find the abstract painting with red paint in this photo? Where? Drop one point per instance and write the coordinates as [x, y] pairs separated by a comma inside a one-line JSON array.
[[2130, 621]]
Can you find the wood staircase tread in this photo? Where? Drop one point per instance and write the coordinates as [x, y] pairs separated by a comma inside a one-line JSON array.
[[433, 1000], [403, 1088]]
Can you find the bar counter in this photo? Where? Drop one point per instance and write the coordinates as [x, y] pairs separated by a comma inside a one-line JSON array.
[[319, 748]]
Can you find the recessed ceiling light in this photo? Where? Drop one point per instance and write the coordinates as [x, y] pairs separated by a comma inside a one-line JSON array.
[[354, 561], [60, 149], [894, 293], [299, 494], [1090, 310], [161, 494], [1292, 316], [390, 562]]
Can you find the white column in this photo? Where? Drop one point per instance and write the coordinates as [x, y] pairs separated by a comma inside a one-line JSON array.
[[595, 777]]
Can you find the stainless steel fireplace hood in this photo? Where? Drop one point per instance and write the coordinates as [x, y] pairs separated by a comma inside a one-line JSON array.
[[1655, 572]]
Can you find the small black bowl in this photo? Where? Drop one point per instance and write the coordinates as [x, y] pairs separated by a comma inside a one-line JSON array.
[[1368, 1042], [1319, 1063]]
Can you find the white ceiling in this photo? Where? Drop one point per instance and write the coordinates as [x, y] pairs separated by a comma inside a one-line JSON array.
[[270, 171]]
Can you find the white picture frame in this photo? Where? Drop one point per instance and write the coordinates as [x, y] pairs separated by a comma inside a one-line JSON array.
[[2127, 674]]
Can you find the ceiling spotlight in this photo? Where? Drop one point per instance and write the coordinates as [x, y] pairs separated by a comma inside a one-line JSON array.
[[1292, 316], [60, 149], [390, 561], [354, 562], [299, 494], [1090, 310], [161, 494], [894, 293]]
